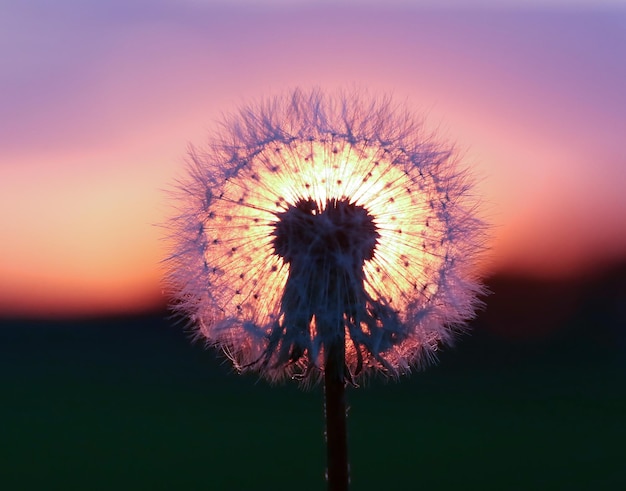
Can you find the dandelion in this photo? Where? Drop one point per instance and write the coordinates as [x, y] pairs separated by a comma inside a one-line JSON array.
[[325, 237]]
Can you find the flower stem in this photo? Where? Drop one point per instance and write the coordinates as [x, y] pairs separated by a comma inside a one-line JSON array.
[[336, 431]]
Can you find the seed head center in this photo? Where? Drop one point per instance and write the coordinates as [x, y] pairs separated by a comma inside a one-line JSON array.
[[340, 235]]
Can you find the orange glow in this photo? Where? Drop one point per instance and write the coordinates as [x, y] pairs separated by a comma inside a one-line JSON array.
[[77, 239], [88, 143], [323, 171]]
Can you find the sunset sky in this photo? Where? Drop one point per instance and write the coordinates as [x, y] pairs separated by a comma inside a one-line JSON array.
[[100, 100]]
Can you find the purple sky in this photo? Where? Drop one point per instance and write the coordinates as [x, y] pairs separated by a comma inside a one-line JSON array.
[[99, 101]]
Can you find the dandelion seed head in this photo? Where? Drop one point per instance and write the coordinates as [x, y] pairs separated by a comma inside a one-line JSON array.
[[312, 219]]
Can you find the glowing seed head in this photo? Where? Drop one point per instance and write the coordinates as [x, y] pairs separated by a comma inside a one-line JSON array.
[[314, 220]]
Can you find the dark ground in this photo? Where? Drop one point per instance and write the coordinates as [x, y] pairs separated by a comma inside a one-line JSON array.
[[534, 399]]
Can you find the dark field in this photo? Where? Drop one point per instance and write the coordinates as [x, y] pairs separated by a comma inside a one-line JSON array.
[[534, 399]]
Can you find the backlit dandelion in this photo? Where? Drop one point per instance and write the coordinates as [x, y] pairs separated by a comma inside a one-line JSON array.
[[320, 236]]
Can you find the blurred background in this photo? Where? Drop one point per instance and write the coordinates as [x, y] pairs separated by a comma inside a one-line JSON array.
[[100, 389]]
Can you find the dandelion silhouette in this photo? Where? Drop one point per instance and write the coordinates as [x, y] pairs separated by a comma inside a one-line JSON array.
[[325, 237]]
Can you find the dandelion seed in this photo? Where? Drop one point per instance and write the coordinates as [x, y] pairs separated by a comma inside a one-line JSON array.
[[323, 234], [316, 218]]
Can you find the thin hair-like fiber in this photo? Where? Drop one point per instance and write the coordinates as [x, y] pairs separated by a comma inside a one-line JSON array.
[[311, 217]]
